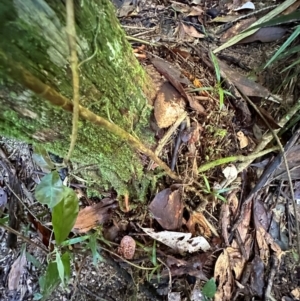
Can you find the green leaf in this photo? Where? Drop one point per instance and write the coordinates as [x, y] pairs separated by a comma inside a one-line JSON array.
[[60, 268], [42, 159], [33, 260], [206, 182], [292, 17], [210, 288], [66, 259], [216, 66], [51, 190], [288, 42], [221, 94], [64, 215], [50, 280], [75, 240], [93, 246], [4, 220]]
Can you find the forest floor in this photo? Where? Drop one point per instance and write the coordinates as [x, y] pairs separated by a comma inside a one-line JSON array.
[[232, 231]]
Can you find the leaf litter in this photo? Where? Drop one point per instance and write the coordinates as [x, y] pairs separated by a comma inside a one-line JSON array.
[[251, 228]]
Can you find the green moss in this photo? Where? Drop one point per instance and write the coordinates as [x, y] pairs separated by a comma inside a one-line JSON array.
[[112, 85]]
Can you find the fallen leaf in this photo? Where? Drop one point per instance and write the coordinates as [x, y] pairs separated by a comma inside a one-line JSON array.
[[196, 11], [92, 216], [230, 172], [179, 242], [244, 84], [198, 219], [244, 141], [293, 159], [265, 35], [43, 232], [127, 7], [247, 5], [224, 276], [195, 105], [257, 283], [168, 105], [193, 267], [274, 125], [3, 197], [16, 272], [167, 208], [192, 31], [236, 29]]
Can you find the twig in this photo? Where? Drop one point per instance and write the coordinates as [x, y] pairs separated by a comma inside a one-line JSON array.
[[240, 158], [71, 33], [286, 166], [9, 229], [17, 72], [129, 38]]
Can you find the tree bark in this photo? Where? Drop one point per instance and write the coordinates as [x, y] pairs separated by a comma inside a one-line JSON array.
[[112, 85]]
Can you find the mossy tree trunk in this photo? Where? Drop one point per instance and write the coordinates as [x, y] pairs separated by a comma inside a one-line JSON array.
[[112, 84]]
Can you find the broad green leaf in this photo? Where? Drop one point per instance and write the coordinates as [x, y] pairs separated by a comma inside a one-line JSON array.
[[42, 159], [51, 190], [210, 288], [66, 259], [64, 215], [50, 280], [60, 268]]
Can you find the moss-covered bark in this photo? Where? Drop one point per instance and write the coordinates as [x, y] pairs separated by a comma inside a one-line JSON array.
[[112, 84]]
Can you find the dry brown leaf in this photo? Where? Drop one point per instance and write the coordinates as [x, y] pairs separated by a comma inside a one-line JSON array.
[[16, 272], [92, 216], [198, 219], [192, 31], [244, 141], [244, 84], [265, 35], [224, 276], [225, 222], [167, 208], [236, 29], [196, 11], [168, 105]]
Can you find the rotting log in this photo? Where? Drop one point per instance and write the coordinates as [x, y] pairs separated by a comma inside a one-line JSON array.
[[112, 85]]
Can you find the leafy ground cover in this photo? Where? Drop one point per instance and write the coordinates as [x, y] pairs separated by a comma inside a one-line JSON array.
[[226, 121]]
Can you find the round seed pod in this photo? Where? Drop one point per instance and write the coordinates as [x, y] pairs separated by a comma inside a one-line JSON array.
[[127, 247]]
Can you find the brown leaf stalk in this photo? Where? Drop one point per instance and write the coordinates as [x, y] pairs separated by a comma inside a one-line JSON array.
[[71, 34]]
